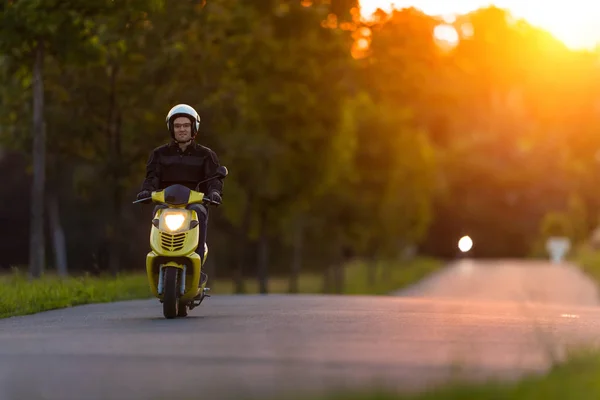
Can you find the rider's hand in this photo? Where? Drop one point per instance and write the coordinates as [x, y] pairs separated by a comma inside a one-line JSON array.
[[143, 195], [214, 197]]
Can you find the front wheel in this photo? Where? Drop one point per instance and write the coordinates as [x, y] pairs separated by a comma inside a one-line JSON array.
[[170, 300]]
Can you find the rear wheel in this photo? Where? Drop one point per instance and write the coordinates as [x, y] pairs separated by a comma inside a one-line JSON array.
[[170, 300]]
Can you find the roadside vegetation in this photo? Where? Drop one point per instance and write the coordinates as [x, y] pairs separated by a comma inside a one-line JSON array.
[[20, 295], [588, 259], [576, 379]]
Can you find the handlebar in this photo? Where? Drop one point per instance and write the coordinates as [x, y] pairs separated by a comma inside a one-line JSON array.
[[214, 203], [204, 200]]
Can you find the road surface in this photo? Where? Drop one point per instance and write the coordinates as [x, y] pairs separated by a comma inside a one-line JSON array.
[[496, 319]]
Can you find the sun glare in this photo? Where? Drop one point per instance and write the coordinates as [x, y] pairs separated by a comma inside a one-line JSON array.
[[446, 33], [575, 24]]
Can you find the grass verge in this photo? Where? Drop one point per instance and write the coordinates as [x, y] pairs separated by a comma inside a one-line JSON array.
[[588, 260], [388, 276], [576, 379], [21, 296]]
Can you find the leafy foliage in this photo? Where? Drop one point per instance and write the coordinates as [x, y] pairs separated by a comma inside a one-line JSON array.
[[368, 138]]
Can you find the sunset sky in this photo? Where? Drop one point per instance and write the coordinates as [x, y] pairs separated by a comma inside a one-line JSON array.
[[575, 22]]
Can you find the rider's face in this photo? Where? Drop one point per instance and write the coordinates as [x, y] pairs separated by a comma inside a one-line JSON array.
[[183, 129]]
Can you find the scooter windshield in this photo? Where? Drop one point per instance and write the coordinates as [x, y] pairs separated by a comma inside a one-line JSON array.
[[177, 195]]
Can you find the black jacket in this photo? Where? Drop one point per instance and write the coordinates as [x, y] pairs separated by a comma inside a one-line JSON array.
[[168, 165]]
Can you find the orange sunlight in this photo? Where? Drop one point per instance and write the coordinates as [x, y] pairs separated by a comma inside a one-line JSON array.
[[575, 23]]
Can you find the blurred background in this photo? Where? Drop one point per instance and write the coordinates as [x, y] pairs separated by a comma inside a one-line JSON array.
[[349, 130]]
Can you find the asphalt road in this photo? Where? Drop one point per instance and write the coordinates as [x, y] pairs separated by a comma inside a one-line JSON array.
[[485, 319]]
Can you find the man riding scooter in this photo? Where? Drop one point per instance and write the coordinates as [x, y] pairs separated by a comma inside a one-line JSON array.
[[184, 162]]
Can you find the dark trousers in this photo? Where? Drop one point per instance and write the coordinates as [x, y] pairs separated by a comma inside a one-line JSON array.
[[202, 213]]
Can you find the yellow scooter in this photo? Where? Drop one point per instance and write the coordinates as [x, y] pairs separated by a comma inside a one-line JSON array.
[[173, 267]]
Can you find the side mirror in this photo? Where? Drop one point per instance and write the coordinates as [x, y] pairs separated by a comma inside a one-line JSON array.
[[222, 171]]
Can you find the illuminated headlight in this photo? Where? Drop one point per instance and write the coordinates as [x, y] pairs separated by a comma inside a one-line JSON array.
[[173, 221]]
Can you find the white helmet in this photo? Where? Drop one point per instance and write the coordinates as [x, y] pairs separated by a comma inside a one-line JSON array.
[[183, 110]]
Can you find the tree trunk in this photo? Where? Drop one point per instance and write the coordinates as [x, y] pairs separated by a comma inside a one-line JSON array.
[[339, 270], [297, 257], [331, 276], [372, 269], [328, 280], [238, 276], [372, 273], [58, 236], [114, 135], [338, 279], [211, 271], [37, 254], [263, 257]]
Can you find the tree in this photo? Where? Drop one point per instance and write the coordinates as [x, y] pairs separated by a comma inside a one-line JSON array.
[[381, 201], [32, 30], [287, 115]]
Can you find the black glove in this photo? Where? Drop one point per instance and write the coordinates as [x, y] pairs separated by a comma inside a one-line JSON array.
[[214, 197], [143, 195]]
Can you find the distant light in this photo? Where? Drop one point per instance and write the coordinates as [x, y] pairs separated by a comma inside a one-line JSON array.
[[446, 33], [465, 243]]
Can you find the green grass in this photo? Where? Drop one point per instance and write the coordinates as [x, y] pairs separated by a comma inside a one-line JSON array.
[[389, 276], [588, 260], [307, 283], [21, 296], [576, 379]]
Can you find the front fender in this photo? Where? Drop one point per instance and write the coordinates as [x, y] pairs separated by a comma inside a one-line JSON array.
[[192, 272]]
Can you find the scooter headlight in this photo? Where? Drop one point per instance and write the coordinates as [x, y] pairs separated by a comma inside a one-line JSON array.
[[173, 221]]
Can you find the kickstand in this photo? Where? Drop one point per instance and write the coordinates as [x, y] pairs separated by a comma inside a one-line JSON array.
[[202, 296]]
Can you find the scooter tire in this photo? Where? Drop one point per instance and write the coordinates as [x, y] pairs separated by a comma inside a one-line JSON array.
[[170, 300], [183, 310]]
